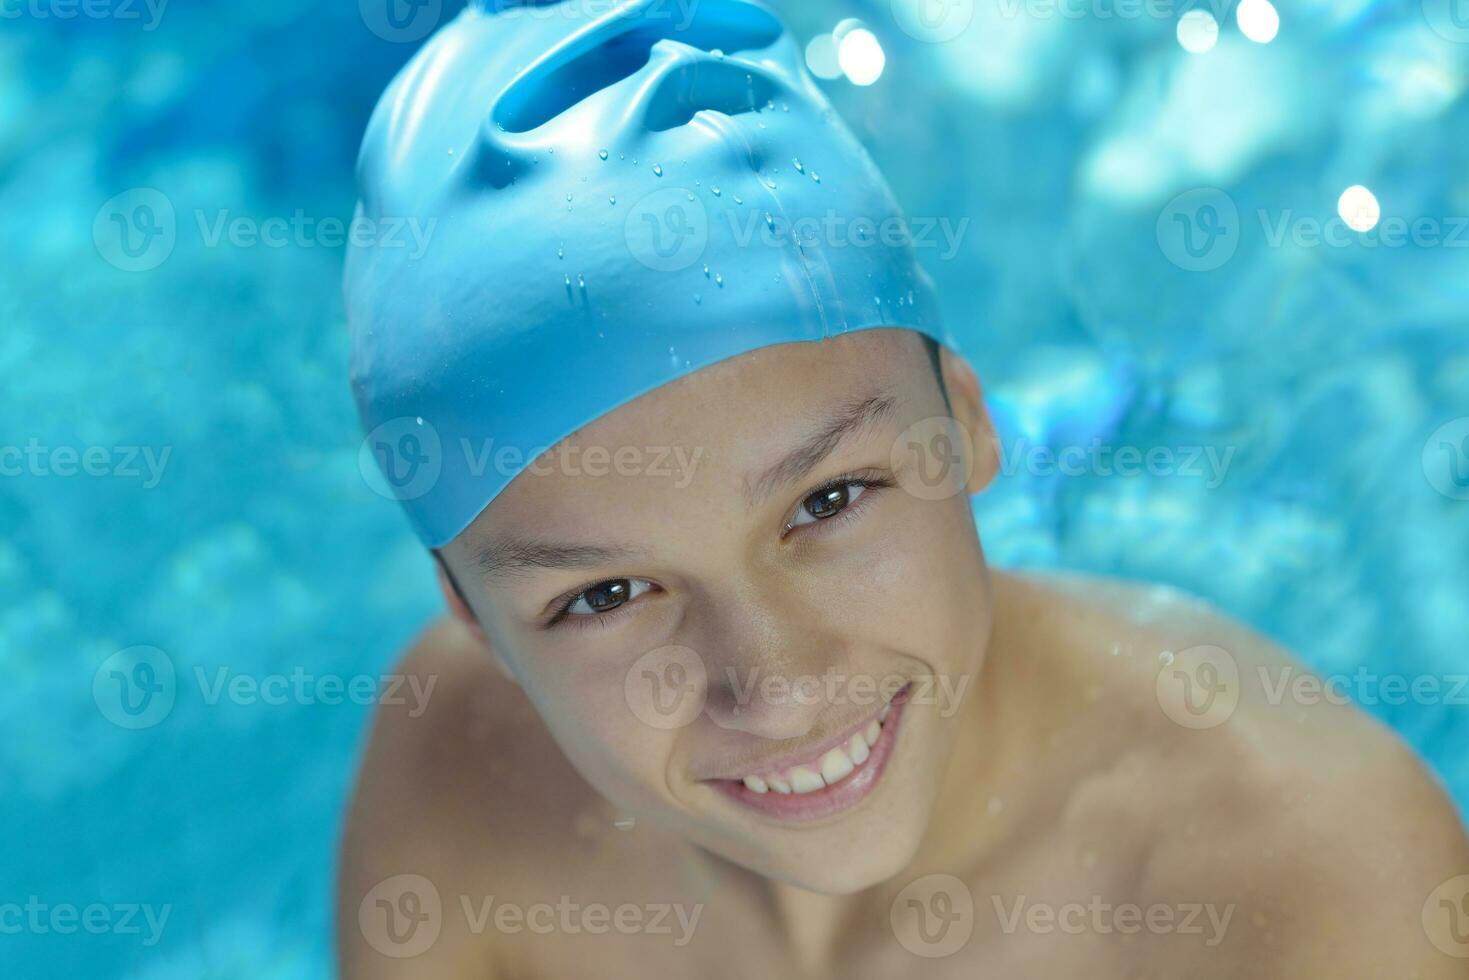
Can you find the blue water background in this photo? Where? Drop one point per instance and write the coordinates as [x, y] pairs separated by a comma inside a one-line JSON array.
[[1061, 141]]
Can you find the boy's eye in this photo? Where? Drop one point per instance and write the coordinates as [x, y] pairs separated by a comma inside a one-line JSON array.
[[607, 596], [827, 503]]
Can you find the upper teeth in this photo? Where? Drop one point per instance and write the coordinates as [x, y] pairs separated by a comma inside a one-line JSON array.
[[834, 765]]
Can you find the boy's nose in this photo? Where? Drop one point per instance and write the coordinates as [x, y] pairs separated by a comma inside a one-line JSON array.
[[774, 666]]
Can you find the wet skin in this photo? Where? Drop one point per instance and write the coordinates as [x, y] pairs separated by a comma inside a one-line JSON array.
[[1040, 770]]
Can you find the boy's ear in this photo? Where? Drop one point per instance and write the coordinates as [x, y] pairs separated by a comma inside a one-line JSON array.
[[465, 616], [966, 402]]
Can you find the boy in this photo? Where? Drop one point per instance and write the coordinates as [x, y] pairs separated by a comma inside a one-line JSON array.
[[727, 688]]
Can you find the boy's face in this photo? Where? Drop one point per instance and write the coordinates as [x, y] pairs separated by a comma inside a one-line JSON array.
[[740, 571]]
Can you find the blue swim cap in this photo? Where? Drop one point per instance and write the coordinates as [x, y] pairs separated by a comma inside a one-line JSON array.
[[611, 195]]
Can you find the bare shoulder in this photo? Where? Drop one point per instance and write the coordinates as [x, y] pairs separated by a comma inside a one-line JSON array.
[[1262, 789], [459, 786]]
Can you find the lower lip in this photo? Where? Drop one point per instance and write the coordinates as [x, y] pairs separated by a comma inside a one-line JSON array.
[[807, 807]]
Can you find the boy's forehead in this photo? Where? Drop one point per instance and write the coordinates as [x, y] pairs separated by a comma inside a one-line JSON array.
[[764, 385], [730, 418]]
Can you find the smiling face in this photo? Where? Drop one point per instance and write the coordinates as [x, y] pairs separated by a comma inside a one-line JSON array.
[[744, 604]]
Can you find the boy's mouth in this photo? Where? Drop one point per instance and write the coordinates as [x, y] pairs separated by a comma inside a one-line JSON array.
[[826, 780]]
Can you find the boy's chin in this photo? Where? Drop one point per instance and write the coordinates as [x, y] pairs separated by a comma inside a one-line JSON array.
[[840, 864], [853, 876]]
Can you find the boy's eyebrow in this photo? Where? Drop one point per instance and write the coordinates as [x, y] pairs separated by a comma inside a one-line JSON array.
[[513, 554], [838, 427], [507, 555]]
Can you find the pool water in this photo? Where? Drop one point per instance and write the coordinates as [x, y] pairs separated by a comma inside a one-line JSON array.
[[1122, 232]]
